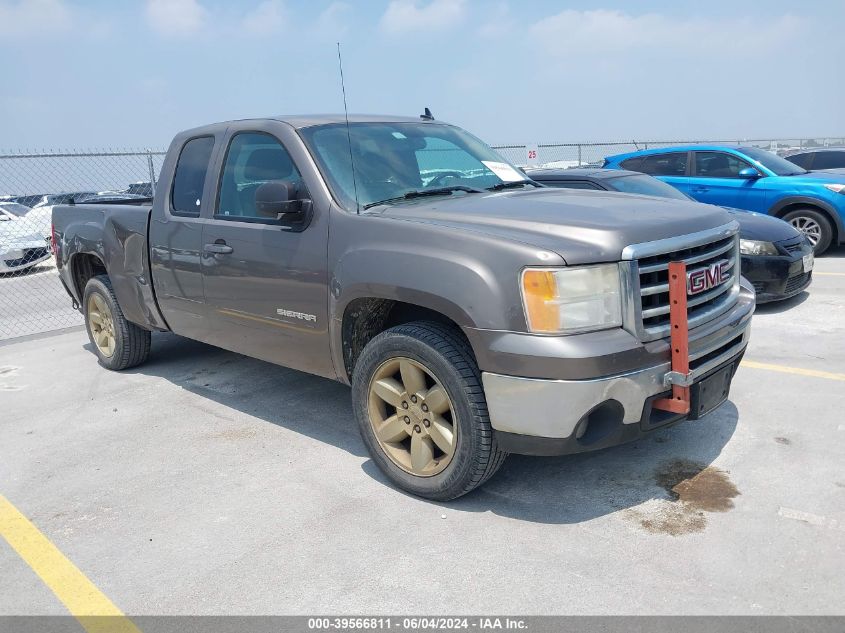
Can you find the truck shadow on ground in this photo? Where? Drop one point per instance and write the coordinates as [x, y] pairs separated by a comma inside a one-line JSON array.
[[776, 307], [576, 488], [556, 490]]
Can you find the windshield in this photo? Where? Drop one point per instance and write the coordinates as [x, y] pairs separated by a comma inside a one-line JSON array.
[[15, 209], [646, 186], [772, 162], [395, 159]]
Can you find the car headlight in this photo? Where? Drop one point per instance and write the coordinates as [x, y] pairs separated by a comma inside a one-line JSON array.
[[756, 247], [836, 188], [572, 300]]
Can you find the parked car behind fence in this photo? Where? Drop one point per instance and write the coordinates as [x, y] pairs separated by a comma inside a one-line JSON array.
[[752, 179], [819, 158]]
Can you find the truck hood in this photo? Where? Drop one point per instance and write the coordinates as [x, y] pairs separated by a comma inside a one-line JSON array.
[[579, 225]]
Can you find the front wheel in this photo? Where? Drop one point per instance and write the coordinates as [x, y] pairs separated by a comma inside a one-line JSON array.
[[421, 410], [118, 343], [814, 225]]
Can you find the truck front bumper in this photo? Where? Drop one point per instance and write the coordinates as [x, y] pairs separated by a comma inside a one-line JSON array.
[[539, 416]]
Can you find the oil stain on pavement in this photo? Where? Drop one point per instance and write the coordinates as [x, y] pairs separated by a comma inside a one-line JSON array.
[[694, 489]]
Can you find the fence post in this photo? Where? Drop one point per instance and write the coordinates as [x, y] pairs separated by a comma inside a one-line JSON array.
[[579, 154], [152, 171]]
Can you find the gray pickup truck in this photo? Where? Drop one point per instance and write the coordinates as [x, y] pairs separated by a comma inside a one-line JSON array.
[[474, 312]]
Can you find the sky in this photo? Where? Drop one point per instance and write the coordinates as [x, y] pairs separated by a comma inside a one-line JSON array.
[[131, 73]]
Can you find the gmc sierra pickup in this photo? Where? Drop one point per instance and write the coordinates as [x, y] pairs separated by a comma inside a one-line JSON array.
[[473, 312]]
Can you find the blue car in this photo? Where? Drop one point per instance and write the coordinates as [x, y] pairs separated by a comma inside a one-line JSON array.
[[751, 179]]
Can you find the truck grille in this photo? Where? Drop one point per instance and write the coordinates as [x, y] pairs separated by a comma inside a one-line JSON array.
[[652, 273]]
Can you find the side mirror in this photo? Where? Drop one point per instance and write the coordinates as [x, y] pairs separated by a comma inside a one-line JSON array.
[[749, 173], [278, 199], [4, 217]]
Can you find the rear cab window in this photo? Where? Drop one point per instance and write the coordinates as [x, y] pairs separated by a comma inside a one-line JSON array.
[[189, 178]]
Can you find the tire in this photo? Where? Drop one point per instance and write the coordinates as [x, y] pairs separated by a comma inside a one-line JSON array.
[[447, 361], [130, 344], [816, 222]]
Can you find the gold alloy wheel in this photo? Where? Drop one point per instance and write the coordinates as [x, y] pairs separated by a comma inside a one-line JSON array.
[[412, 417], [102, 325]]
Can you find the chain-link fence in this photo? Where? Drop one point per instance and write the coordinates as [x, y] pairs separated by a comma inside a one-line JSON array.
[[568, 155], [32, 299]]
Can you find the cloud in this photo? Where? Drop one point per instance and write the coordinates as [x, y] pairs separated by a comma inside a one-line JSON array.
[[28, 17], [498, 23], [403, 16], [334, 19], [268, 17], [176, 17], [608, 32]]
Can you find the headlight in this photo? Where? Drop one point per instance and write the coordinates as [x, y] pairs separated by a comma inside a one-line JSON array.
[[571, 300], [756, 247], [836, 188]]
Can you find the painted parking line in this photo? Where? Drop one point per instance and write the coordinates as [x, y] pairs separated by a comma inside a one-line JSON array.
[[94, 611], [815, 373], [816, 272], [809, 517]]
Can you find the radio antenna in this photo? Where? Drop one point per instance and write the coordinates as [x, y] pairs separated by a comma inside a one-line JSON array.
[[348, 135]]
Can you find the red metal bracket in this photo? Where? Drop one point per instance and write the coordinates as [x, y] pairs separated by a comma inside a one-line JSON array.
[[680, 400]]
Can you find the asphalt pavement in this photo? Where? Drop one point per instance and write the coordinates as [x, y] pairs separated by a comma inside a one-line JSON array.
[[204, 482]]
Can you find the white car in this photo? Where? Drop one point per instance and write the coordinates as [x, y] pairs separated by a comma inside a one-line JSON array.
[[39, 219], [22, 245]]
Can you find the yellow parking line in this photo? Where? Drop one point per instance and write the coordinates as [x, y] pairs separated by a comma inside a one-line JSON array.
[[815, 373], [94, 611]]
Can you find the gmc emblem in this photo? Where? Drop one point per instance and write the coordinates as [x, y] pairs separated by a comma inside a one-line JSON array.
[[706, 278]]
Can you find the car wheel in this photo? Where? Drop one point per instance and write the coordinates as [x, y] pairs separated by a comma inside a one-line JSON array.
[[813, 224], [421, 410], [117, 343]]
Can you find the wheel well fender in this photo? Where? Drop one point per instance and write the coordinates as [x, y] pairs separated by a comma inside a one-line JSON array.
[[366, 316], [84, 266], [784, 206]]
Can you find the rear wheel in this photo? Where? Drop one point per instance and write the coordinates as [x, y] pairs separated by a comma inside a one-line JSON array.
[[117, 343], [815, 225], [421, 411]]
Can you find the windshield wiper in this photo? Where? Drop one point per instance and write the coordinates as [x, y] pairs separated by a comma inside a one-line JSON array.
[[512, 185], [420, 193]]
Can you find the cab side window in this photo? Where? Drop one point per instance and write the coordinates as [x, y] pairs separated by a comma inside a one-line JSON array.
[[253, 158], [189, 178], [671, 164], [718, 165]]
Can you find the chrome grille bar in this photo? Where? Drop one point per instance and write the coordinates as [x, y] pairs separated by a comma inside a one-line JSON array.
[[650, 284]]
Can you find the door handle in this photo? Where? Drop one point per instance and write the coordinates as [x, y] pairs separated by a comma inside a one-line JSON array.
[[218, 248], [700, 189]]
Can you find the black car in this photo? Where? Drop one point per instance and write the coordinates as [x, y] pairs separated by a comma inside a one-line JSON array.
[[819, 158], [141, 189], [776, 257]]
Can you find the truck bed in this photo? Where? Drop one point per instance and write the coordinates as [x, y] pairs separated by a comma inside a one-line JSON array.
[[117, 233]]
